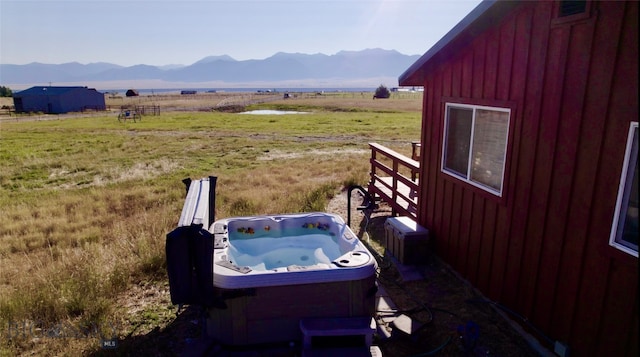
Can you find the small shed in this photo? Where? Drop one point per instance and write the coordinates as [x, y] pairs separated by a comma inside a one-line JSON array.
[[529, 164], [132, 93], [58, 100]]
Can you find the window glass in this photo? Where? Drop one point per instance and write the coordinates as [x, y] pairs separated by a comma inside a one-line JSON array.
[[624, 233], [572, 7], [458, 140], [489, 147], [475, 144]]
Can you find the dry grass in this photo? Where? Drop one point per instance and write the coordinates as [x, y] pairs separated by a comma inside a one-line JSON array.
[[340, 101], [87, 202], [172, 101], [399, 101]]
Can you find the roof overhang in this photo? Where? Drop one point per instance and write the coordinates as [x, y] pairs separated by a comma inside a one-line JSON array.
[[488, 13]]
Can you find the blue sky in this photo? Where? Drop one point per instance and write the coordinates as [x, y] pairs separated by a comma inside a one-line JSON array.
[[162, 32]]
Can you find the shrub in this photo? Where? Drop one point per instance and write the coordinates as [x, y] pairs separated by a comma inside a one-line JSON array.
[[382, 92]]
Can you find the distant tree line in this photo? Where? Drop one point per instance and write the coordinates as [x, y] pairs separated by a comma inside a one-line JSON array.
[[5, 92]]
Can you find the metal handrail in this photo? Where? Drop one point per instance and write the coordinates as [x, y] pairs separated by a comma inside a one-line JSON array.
[[368, 202]]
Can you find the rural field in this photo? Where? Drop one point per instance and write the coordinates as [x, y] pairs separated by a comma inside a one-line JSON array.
[[87, 201]]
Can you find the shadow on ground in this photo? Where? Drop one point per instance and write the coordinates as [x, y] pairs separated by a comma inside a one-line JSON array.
[[181, 335], [448, 316]]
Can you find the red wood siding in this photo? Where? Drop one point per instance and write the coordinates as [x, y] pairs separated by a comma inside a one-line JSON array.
[[542, 249]]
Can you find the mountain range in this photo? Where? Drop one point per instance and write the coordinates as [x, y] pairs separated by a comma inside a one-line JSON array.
[[281, 67]]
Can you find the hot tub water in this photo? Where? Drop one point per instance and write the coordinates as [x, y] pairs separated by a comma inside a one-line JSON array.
[[271, 253]]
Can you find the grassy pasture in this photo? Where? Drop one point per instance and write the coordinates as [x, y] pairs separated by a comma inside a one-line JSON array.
[[86, 202], [339, 101]]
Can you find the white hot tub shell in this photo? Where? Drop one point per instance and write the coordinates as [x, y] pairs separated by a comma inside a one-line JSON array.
[[265, 302]]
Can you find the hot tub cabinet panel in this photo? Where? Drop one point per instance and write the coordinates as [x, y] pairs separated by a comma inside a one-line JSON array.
[[273, 314]]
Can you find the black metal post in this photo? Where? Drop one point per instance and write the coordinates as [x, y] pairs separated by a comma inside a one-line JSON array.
[[368, 202], [212, 200]]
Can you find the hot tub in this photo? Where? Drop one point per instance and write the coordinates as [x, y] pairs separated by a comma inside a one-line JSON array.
[[270, 272]]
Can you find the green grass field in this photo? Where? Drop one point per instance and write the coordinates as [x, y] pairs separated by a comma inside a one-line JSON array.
[[86, 202]]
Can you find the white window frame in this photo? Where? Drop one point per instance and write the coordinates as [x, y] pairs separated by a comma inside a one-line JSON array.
[[457, 175], [622, 200]]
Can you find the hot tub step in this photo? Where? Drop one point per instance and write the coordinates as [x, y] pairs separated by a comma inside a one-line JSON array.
[[373, 351], [407, 325], [343, 326]]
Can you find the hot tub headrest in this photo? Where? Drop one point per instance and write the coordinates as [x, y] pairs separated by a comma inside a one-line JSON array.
[[256, 227]]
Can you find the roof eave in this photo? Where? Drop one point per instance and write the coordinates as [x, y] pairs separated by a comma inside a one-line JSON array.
[[477, 20]]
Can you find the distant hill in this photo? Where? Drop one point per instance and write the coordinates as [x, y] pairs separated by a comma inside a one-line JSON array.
[[346, 65], [42, 73]]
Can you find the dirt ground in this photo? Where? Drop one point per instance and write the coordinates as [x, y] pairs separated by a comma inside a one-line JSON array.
[[455, 319]]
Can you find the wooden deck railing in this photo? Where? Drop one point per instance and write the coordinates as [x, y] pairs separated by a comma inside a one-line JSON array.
[[394, 179]]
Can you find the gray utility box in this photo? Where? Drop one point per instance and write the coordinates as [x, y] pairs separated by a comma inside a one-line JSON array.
[[406, 240]]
